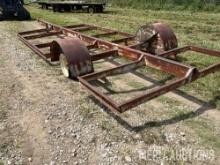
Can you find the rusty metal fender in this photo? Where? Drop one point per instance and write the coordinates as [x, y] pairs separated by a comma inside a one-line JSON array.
[[76, 53], [157, 38]]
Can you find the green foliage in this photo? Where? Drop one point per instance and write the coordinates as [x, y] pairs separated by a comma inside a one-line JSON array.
[[208, 5]]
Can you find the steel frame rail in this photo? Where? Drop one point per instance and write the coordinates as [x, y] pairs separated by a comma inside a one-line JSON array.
[[184, 73]]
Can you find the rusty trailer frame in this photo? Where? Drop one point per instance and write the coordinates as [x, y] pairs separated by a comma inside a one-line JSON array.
[[127, 47]]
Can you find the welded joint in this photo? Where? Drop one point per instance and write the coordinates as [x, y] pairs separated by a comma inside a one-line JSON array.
[[191, 73]]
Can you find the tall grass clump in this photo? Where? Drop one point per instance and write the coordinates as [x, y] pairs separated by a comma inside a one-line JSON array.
[[206, 5]]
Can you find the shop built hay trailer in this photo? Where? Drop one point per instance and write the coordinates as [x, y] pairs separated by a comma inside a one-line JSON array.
[[153, 46]]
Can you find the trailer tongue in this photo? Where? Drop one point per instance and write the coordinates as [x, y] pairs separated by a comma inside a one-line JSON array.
[[152, 47]]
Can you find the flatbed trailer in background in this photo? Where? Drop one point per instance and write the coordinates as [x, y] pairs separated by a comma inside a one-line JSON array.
[[91, 6]]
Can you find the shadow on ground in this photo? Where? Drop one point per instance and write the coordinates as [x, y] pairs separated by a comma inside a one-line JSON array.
[[204, 106]]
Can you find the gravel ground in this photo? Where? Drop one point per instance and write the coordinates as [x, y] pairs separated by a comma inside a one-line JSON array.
[[48, 119]]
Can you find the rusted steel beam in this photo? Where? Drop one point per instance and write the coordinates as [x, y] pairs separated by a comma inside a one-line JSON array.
[[104, 34], [107, 101], [81, 29], [167, 66], [148, 95], [105, 54], [114, 71], [43, 45], [129, 53], [159, 63], [83, 37], [33, 31], [174, 51], [210, 69], [110, 30], [75, 26], [41, 35], [93, 45], [191, 48], [123, 39], [35, 49], [205, 51]]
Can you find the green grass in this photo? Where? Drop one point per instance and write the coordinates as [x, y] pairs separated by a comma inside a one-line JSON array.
[[193, 5], [203, 127], [206, 132]]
